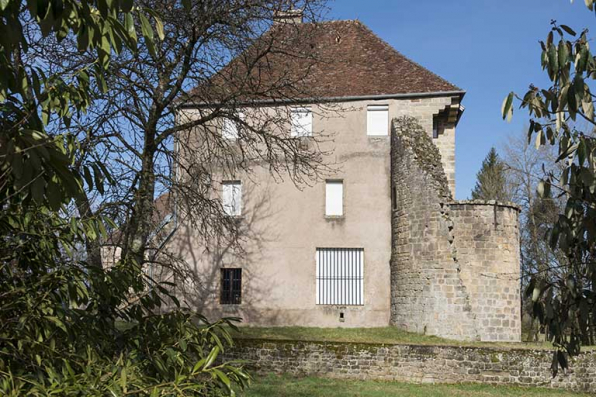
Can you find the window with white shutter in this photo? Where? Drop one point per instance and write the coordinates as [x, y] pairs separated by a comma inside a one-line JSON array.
[[232, 198], [301, 123], [340, 276], [334, 198], [377, 120], [230, 128]]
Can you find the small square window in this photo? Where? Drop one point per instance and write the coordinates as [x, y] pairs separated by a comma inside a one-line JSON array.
[[232, 198], [231, 287], [377, 120], [301, 123]]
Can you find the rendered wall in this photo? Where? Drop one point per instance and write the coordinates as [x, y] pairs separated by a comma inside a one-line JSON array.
[[454, 266]]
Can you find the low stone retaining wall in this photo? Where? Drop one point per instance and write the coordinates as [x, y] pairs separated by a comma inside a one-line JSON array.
[[416, 363]]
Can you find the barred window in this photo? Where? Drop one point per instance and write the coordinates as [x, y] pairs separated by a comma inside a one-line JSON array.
[[231, 286], [340, 276]]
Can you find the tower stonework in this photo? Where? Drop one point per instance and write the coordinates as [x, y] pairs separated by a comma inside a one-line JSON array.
[[454, 265]]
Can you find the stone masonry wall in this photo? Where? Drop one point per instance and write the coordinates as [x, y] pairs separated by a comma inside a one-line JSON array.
[[427, 293], [487, 242], [424, 110], [448, 259], [415, 363]]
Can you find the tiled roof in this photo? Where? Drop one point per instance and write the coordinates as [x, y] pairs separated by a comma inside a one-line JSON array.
[[322, 60]]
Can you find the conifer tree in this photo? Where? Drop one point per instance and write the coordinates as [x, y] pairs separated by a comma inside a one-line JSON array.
[[491, 181]]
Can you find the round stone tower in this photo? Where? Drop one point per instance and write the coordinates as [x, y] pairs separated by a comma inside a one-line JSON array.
[[454, 266]]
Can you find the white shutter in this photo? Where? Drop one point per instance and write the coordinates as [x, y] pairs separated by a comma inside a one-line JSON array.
[[334, 198], [230, 128], [301, 123], [232, 198], [377, 120], [340, 276]]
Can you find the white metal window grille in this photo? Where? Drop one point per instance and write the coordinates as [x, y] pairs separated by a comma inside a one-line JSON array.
[[340, 276], [230, 128], [232, 198], [301, 122], [334, 198], [377, 120]]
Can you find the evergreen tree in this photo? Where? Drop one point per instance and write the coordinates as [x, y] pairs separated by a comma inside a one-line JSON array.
[[491, 179]]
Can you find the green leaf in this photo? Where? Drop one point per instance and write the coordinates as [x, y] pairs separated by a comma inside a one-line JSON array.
[[126, 5], [507, 107], [129, 24], [211, 357], [159, 28], [146, 27], [222, 377], [568, 30], [37, 189]]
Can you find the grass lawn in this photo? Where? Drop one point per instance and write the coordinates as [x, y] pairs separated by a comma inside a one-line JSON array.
[[282, 386], [364, 335]]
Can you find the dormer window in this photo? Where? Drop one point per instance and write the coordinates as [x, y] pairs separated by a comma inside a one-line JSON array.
[[301, 122], [377, 120]]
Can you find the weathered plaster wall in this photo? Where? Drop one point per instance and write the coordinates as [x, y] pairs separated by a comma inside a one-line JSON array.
[[416, 364], [454, 266]]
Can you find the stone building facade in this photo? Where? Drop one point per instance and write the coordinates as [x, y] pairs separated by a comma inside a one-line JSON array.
[[394, 248]]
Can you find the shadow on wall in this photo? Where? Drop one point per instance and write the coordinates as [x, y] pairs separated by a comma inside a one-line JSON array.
[[199, 260]]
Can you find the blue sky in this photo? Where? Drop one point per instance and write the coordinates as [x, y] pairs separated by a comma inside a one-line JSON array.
[[487, 48]]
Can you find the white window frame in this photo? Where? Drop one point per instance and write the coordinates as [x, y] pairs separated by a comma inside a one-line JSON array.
[[334, 198], [230, 127], [377, 120], [339, 276], [232, 197], [301, 122]]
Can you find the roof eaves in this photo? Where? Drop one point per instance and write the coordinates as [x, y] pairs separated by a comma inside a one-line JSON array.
[[289, 101]]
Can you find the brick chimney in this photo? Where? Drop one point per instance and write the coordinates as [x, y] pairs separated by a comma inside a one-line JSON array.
[[289, 16]]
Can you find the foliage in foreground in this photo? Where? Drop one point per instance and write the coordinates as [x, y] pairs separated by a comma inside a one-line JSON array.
[[59, 315], [566, 302]]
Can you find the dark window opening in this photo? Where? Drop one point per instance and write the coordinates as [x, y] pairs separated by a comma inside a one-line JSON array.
[[394, 197], [435, 128], [231, 286]]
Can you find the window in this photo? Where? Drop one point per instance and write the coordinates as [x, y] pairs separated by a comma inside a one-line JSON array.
[[232, 197], [301, 122], [230, 128], [435, 128], [334, 198], [231, 287], [340, 276], [377, 120]]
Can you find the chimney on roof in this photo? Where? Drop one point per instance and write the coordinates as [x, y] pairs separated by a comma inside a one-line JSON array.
[[289, 16]]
